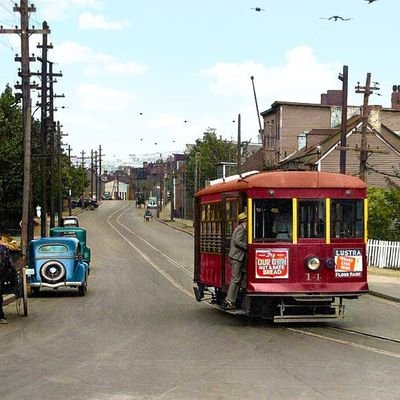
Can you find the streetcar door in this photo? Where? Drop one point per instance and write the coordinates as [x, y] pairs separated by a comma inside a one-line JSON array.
[[232, 206]]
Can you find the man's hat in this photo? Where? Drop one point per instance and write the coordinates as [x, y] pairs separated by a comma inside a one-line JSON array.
[[242, 216]]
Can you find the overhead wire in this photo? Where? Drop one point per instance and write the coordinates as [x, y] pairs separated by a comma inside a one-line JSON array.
[[11, 24]]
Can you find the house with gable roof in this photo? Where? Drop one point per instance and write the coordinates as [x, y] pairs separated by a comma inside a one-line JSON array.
[[322, 152], [307, 136]]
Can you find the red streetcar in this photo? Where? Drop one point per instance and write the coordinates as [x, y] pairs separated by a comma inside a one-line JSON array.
[[298, 270]]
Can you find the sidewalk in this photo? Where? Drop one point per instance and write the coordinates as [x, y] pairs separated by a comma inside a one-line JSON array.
[[385, 283]]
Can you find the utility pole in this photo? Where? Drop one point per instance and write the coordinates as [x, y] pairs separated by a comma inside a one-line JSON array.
[[83, 158], [43, 128], [172, 186], [100, 170], [364, 149], [239, 147], [343, 129], [52, 132], [59, 172], [91, 173], [197, 172], [367, 90], [96, 176], [24, 33]]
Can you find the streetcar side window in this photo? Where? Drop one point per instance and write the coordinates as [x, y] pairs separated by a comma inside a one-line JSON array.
[[272, 220], [231, 213], [311, 220], [211, 227], [347, 218]]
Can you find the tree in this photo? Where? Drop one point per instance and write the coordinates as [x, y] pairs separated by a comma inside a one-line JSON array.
[[203, 157], [11, 159], [384, 213]]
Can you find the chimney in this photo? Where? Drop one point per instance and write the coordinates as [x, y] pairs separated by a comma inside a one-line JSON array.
[[396, 97], [332, 98]]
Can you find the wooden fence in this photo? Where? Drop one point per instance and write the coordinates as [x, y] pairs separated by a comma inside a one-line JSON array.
[[383, 254]]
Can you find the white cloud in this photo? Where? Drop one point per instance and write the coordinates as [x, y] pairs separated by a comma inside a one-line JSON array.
[[59, 10], [165, 121], [301, 78], [98, 98], [69, 53], [96, 21], [120, 68]]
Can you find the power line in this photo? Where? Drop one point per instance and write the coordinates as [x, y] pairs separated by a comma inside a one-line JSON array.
[[5, 8]]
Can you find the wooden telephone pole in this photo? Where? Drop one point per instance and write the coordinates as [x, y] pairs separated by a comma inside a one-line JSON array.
[[25, 74], [343, 128], [367, 90]]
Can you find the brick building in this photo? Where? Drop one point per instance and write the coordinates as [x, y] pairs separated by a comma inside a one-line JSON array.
[[307, 136]]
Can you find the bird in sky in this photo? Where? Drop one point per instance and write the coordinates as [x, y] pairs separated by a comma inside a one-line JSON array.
[[337, 17], [258, 9], [370, 1]]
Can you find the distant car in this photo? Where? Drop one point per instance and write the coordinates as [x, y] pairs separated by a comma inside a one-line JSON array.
[[56, 262], [151, 203], [70, 220], [106, 196]]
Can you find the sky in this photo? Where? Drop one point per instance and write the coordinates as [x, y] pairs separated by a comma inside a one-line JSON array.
[[144, 78]]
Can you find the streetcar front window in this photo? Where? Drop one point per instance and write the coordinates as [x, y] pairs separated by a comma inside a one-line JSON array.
[[272, 220], [347, 218], [311, 219]]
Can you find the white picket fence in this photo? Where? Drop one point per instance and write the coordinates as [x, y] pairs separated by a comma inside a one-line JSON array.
[[383, 254]]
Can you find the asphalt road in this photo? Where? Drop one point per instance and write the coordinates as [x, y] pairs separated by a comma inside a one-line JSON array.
[[139, 333]]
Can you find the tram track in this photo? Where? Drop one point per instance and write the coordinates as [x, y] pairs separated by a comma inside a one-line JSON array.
[[123, 230], [374, 347], [365, 334]]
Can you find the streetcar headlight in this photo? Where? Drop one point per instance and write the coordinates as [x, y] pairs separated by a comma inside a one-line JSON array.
[[312, 263]]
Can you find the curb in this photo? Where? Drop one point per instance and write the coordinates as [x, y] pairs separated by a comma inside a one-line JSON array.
[[384, 296], [174, 227]]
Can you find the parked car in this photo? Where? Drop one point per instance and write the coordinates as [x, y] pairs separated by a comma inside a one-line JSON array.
[[87, 203], [74, 203], [76, 232], [106, 196], [56, 262], [70, 220]]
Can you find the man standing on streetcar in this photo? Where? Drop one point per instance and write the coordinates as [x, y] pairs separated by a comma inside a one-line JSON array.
[[237, 259]]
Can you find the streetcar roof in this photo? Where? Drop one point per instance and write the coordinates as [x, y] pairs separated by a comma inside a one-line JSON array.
[[286, 179]]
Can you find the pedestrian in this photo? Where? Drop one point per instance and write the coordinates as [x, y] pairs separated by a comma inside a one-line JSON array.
[[148, 215], [5, 265], [237, 260]]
